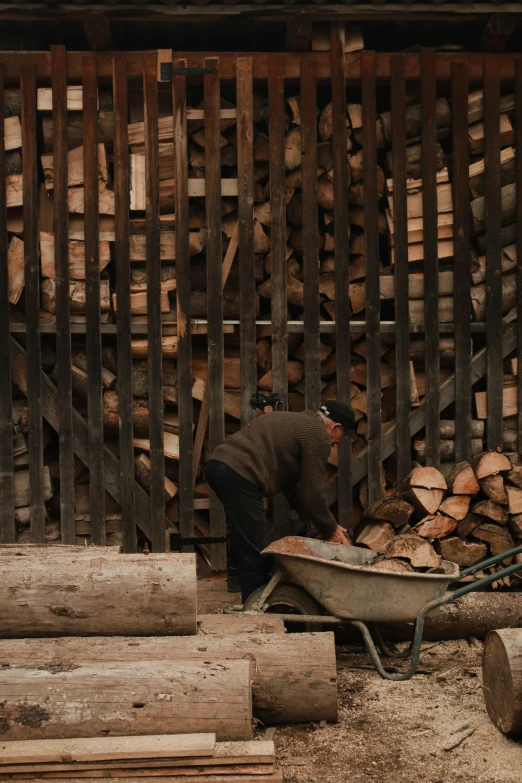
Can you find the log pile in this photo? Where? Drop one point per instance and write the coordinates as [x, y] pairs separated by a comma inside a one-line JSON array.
[[181, 757], [470, 513]]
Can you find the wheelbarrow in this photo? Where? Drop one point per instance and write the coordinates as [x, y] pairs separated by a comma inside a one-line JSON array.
[[311, 576]]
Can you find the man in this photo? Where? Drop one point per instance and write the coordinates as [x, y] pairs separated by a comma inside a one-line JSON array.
[[277, 452]]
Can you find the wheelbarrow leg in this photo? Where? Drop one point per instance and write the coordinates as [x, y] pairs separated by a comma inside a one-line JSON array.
[[389, 650], [374, 655]]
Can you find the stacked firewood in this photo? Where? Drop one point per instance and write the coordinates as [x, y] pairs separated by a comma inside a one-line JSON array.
[[465, 515]]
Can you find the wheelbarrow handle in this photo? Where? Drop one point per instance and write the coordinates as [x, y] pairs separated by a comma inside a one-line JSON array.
[[491, 561]]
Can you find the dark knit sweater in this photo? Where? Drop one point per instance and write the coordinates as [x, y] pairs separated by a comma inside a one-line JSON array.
[[284, 452]]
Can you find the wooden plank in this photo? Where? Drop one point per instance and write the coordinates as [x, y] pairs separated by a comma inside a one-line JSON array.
[[92, 300], [342, 250], [185, 405], [155, 363], [462, 249], [32, 302], [122, 254], [400, 227], [159, 746], [310, 235], [216, 423], [62, 276], [276, 133], [431, 260], [493, 251], [7, 521], [371, 249], [50, 407], [518, 141], [247, 283]]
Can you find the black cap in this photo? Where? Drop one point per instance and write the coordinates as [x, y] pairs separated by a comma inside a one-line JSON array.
[[340, 413]]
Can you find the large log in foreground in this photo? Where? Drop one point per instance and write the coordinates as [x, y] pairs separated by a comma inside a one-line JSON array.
[[293, 677], [123, 699], [48, 592], [502, 679], [474, 615]]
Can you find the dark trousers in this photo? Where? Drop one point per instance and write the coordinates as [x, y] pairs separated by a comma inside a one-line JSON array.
[[246, 520]]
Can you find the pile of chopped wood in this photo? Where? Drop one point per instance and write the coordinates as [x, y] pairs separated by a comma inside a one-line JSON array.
[[471, 513]]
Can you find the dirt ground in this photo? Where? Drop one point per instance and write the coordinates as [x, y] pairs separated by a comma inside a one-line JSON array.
[[431, 729]]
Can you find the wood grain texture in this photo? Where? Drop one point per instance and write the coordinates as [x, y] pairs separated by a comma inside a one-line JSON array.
[[32, 301], [342, 250], [122, 253], [493, 252], [400, 227], [247, 283], [185, 405], [310, 235], [7, 521], [216, 406], [155, 363], [92, 300], [502, 676], [518, 127], [462, 249], [175, 698], [431, 256], [104, 595], [293, 676], [371, 248]]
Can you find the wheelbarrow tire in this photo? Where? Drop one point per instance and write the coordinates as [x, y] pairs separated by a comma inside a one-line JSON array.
[[288, 599]]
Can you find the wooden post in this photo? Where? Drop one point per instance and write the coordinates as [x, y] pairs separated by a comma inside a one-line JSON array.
[[121, 221], [7, 521]]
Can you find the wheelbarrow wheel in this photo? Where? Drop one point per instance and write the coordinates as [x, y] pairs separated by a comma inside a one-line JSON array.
[[288, 599]]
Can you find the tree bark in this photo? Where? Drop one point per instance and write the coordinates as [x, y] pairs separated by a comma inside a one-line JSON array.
[[158, 698], [293, 676], [79, 593]]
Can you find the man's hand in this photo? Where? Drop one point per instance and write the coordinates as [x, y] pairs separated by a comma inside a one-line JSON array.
[[340, 537]]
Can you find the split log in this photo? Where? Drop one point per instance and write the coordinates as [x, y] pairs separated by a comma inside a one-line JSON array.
[[515, 476], [462, 480], [394, 510], [415, 549], [477, 169], [435, 526], [16, 273], [111, 416], [146, 698], [456, 506], [76, 257], [376, 536], [514, 500], [108, 378], [152, 595], [468, 524], [414, 160], [143, 473], [426, 478], [75, 167], [398, 566], [105, 130], [293, 675], [77, 296], [476, 134], [478, 208], [12, 133], [489, 463], [493, 487], [424, 501], [502, 679], [492, 510], [476, 105], [295, 371], [22, 490], [498, 538], [463, 553], [414, 120]]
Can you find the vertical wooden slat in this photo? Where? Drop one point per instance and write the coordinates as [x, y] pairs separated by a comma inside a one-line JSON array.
[[276, 133], [247, 283], [216, 423], [493, 252], [518, 93], [185, 406], [92, 301], [7, 525], [342, 255], [32, 301], [155, 366], [61, 263], [431, 255], [310, 234], [122, 252], [400, 236], [461, 233], [371, 249]]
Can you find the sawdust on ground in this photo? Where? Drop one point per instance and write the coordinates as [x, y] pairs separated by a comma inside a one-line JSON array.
[[431, 729]]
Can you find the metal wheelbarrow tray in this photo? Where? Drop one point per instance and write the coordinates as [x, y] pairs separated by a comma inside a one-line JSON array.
[[343, 581]]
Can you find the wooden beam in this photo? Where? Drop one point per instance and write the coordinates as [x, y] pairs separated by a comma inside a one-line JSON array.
[[97, 29], [497, 32], [299, 33]]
